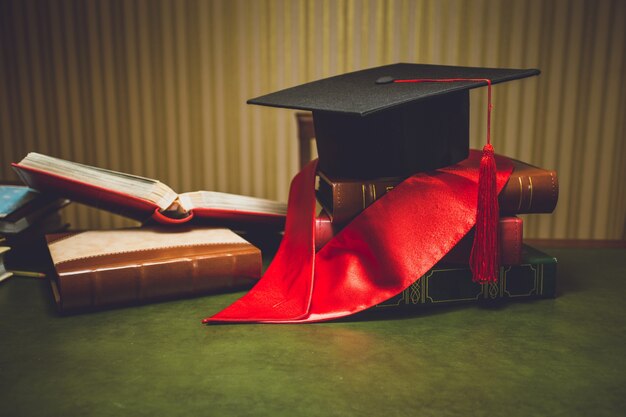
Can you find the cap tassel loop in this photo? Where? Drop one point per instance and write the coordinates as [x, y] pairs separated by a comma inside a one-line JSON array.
[[484, 259]]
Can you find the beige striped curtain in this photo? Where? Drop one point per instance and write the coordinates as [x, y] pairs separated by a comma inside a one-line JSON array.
[[158, 88]]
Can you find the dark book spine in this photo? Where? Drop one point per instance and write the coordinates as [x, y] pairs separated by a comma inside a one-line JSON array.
[[535, 277], [343, 200], [529, 190]]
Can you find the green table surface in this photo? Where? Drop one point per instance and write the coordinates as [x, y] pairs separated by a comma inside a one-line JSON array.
[[553, 357]]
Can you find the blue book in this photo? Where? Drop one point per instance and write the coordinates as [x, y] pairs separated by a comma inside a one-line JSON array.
[[20, 207], [13, 197]]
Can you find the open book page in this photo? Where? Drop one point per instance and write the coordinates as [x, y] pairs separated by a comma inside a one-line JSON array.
[[140, 187], [234, 202], [99, 243]]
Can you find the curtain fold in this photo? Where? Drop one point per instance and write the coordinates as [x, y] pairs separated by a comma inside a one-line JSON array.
[[158, 88]]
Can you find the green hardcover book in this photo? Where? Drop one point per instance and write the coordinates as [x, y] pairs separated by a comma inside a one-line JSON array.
[[535, 277]]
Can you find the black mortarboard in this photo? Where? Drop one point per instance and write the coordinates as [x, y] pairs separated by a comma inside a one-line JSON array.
[[368, 126]]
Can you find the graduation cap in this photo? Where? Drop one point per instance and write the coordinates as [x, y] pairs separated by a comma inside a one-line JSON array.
[[395, 120], [374, 123]]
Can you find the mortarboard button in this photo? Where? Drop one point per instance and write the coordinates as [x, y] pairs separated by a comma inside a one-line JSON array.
[[385, 80]]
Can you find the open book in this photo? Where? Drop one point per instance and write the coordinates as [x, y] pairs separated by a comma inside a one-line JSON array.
[[141, 198]]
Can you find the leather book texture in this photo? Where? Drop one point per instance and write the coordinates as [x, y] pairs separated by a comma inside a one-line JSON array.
[[344, 199], [529, 190], [534, 277], [324, 230], [102, 268]]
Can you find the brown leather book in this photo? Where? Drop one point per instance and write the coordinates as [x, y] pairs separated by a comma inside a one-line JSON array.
[[143, 198], [529, 190], [113, 267]]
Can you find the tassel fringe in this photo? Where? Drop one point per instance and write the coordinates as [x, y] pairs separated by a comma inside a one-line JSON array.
[[485, 257]]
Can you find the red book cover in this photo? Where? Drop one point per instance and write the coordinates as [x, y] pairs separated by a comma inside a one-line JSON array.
[[144, 198], [106, 199]]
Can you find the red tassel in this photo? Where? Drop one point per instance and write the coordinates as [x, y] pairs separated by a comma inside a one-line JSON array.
[[484, 260]]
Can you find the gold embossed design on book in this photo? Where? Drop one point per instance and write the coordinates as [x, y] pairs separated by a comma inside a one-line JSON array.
[[529, 190]]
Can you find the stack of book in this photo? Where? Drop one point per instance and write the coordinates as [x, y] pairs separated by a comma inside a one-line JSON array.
[[22, 209], [84, 280], [524, 272], [25, 217], [184, 249]]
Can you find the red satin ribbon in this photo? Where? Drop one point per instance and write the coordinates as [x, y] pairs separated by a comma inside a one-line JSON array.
[[376, 256]]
